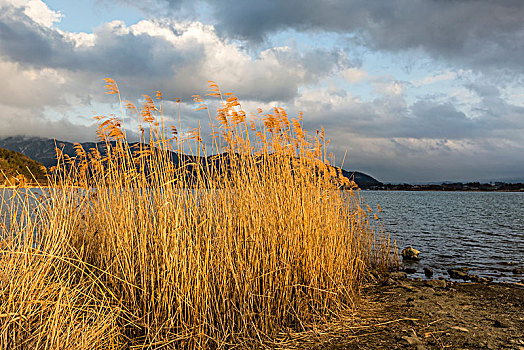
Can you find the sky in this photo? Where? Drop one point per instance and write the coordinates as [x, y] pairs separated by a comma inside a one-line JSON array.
[[413, 90]]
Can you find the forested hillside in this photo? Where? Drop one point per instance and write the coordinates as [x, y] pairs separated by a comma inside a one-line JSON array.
[[17, 169]]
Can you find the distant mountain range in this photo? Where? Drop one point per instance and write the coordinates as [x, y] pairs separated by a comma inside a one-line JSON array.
[[43, 150]]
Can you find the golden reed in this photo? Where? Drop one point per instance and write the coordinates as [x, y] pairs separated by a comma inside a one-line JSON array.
[[132, 250]]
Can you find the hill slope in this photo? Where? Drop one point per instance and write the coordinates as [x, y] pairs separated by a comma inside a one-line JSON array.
[[13, 165]]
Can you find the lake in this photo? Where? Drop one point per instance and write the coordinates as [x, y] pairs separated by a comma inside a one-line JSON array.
[[480, 230]]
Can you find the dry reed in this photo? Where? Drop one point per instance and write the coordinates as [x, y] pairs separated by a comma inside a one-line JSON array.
[[131, 249]]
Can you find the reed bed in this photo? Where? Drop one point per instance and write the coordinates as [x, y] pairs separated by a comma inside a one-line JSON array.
[[131, 248]]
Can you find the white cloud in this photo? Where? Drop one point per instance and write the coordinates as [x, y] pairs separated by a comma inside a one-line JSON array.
[[30, 87], [435, 78], [37, 10], [80, 39], [384, 86], [354, 75]]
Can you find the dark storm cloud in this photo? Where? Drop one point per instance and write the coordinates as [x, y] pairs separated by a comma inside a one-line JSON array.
[[22, 40], [485, 34]]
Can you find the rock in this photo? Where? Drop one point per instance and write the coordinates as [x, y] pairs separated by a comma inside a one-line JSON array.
[[436, 283], [410, 253], [474, 278], [518, 271], [428, 272], [410, 270], [507, 263], [398, 275], [458, 274]]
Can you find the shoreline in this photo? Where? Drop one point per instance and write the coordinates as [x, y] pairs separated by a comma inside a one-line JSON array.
[[396, 312], [449, 314]]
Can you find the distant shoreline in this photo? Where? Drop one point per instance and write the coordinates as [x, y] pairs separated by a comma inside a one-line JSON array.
[[453, 187], [413, 190]]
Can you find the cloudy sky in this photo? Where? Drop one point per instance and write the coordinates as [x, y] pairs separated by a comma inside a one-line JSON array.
[[414, 90]]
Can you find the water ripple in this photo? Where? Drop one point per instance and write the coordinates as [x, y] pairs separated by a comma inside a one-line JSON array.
[[457, 229]]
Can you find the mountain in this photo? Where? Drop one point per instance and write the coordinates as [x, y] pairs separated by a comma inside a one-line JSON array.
[[43, 151], [363, 181], [40, 149], [18, 169]]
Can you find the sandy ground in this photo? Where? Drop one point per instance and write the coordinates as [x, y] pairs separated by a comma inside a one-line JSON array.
[[400, 313]]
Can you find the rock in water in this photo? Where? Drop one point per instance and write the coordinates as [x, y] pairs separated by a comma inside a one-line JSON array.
[[410, 253], [428, 272], [409, 270], [458, 274]]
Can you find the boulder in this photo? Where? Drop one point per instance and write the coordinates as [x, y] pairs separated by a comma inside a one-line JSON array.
[[410, 253]]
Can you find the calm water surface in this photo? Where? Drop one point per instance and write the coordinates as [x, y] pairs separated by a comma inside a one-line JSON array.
[[479, 230]]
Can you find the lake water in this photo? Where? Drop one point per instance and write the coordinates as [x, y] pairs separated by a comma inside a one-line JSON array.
[[479, 230]]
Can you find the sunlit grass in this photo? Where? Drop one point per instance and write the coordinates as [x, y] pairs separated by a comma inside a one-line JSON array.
[[131, 249]]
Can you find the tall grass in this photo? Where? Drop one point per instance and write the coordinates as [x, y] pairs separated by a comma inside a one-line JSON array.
[[131, 249]]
